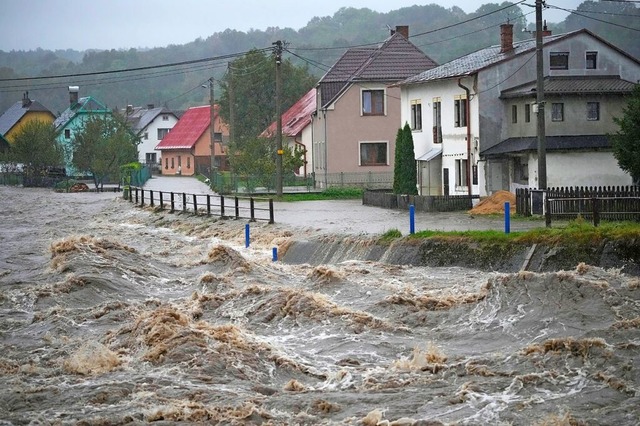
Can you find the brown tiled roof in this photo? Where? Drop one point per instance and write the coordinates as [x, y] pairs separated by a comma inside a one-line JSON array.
[[393, 60]]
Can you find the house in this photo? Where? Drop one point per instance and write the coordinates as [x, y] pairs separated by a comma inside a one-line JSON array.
[[186, 149], [73, 119], [297, 130], [358, 111], [479, 135], [151, 124], [14, 119]]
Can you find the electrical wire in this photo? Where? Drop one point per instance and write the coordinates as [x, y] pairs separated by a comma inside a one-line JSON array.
[[592, 18]]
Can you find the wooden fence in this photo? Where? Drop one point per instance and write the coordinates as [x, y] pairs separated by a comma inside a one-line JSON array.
[[250, 208], [425, 203], [593, 203]]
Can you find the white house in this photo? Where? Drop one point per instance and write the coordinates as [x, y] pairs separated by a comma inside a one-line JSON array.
[[474, 117], [151, 124]]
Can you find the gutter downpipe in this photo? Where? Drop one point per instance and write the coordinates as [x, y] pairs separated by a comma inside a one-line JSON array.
[[468, 105], [324, 116]]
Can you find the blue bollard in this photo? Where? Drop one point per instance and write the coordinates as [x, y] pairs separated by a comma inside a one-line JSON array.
[[507, 217], [412, 219], [246, 235], [275, 254]]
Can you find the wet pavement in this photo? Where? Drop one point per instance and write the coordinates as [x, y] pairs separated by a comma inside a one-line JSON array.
[[351, 217]]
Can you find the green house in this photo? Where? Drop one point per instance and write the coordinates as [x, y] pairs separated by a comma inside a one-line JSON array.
[[72, 120]]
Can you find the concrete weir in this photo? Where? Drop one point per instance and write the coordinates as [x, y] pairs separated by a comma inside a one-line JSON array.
[[514, 257]]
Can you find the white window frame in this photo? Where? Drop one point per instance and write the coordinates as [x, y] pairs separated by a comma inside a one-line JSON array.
[[416, 114]]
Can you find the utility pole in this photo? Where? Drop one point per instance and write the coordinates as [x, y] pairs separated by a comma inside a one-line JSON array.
[[212, 133], [280, 152], [232, 108], [542, 143]]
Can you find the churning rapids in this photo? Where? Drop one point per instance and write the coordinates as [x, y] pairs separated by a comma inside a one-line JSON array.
[[114, 314]]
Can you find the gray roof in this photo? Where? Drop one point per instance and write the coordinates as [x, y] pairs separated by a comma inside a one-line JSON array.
[[573, 85], [16, 112], [84, 105], [393, 60], [140, 118], [553, 143], [476, 61]]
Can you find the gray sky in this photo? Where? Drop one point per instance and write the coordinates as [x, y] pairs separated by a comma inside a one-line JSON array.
[[121, 24]]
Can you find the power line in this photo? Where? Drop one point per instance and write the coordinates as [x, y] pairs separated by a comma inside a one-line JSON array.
[[595, 19]]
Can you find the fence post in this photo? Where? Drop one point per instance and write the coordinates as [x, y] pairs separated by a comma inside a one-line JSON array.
[[222, 206], [246, 235], [195, 204], [161, 201], [151, 196], [547, 213], [412, 219], [237, 205], [184, 202], [271, 218], [142, 197], [253, 212], [173, 203], [274, 253], [208, 205], [137, 200], [596, 211], [507, 217]]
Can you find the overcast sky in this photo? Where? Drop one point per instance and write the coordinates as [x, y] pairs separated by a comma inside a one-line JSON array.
[[118, 24]]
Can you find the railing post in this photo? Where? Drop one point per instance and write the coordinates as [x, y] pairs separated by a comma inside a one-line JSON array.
[[222, 206], [161, 201], [195, 204], [151, 196], [253, 212], [237, 202], [596, 211], [507, 217], [412, 219], [184, 202], [142, 197], [137, 199], [173, 203], [547, 212], [208, 205], [271, 217]]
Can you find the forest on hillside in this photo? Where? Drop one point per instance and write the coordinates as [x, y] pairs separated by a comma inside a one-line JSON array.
[[442, 33]]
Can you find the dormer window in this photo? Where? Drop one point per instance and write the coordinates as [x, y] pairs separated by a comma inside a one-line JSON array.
[[559, 60]]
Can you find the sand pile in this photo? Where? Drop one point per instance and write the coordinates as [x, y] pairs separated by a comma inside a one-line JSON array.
[[495, 203]]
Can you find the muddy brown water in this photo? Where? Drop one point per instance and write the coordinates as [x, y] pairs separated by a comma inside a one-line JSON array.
[[112, 314]]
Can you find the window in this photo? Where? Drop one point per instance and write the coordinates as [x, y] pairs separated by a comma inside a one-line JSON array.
[[150, 158], [165, 117], [527, 113], [593, 111], [461, 172], [416, 115], [373, 153], [460, 111], [557, 112], [146, 135], [188, 162], [172, 163], [217, 137], [373, 102], [592, 60], [514, 113], [67, 133], [437, 120], [162, 133], [559, 60]]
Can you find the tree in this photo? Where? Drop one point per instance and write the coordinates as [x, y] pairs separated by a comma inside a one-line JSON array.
[[36, 148], [404, 171], [626, 142], [103, 145]]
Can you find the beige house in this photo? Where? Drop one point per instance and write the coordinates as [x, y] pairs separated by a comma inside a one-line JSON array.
[[357, 113]]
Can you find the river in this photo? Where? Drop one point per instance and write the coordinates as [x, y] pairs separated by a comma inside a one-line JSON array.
[[113, 314]]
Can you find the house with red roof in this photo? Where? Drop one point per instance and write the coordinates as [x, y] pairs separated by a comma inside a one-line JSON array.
[[297, 130], [186, 149]]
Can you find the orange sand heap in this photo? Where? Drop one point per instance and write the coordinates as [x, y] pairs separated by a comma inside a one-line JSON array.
[[495, 203]]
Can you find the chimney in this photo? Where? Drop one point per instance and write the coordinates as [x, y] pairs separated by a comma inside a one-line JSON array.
[[150, 106], [545, 30], [506, 38], [129, 109], [403, 30], [25, 100], [73, 95]]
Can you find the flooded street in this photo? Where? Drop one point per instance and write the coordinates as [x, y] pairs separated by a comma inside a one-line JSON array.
[[114, 314]]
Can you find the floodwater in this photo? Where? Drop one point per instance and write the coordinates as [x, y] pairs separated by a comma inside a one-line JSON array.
[[113, 314]]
